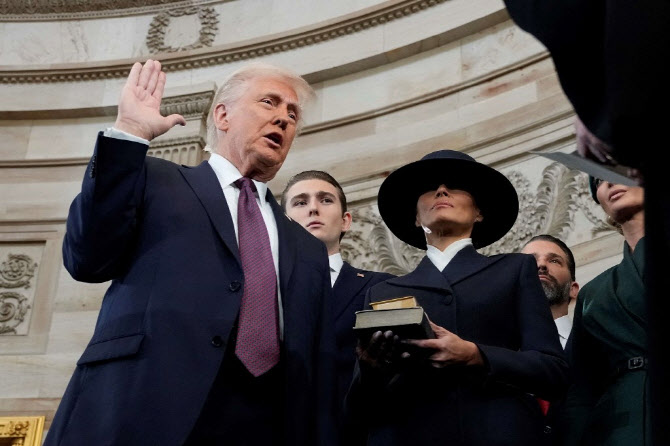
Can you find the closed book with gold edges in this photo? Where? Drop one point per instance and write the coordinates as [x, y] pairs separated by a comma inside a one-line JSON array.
[[407, 323]]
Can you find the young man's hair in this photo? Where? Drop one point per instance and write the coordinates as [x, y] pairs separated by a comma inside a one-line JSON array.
[[562, 245], [314, 175]]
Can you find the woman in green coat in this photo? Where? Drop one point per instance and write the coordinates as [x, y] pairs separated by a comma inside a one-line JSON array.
[[607, 403]]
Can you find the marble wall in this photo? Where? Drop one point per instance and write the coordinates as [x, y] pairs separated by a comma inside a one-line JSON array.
[[395, 79]]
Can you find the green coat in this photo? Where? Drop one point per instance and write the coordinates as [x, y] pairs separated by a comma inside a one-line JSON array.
[[608, 404]]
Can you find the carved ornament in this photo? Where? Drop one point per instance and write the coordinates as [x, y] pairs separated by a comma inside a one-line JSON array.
[[21, 431], [44, 10], [159, 25], [188, 105], [17, 271], [13, 309], [228, 55]]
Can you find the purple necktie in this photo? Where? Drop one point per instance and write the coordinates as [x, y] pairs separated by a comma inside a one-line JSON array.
[[258, 331]]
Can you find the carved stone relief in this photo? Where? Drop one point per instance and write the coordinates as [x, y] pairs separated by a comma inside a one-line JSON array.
[[17, 271], [17, 274], [194, 105], [550, 208], [209, 22]]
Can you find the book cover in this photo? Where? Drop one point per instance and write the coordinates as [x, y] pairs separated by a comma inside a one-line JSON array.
[[406, 322]]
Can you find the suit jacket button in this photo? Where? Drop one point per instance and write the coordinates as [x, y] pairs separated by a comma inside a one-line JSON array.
[[547, 429], [234, 285], [217, 341]]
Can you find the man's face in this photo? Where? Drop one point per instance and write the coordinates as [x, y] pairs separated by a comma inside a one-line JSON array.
[[259, 127], [316, 205], [552, 267]]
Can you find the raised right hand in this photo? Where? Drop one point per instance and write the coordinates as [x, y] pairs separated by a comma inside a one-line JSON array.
[[140, 100]]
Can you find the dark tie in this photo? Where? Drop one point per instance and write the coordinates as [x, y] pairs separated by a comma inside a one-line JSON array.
[[258, 331]]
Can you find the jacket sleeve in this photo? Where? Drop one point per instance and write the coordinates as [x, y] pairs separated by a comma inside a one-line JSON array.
[[103, 219], [538, 366]]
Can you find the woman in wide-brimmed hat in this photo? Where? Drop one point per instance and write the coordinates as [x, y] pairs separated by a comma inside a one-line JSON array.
[[608, 402], [496, 349]]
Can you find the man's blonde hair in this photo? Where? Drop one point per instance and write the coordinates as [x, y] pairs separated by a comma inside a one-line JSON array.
[[233, 87]]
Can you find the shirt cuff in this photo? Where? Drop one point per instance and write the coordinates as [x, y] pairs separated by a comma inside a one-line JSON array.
[[111, 132]]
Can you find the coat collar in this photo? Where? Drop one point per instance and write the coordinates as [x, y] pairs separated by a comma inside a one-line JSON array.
[[467, 262]]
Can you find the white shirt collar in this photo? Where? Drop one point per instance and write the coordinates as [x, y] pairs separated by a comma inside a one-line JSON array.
[[564, 325], [336, 262], [227, 174], [442, 258]]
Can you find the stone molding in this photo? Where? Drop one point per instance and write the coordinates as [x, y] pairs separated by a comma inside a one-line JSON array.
[[47, 10], [159, 25], [188, 151], [222, 55], [549, 208], [193, 105]]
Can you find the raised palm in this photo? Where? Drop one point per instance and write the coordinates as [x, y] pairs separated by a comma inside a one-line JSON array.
[[140, 100]]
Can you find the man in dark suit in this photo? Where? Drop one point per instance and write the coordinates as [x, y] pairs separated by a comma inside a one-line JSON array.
[[316, 200], [215, 329], [556, 269]]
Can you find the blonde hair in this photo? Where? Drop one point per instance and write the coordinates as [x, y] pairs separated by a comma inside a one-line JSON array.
[[232, 89]]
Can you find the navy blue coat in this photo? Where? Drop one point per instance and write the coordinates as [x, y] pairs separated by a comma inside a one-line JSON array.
[[496, 302], [349, 297], [349, 293], [163, 234]]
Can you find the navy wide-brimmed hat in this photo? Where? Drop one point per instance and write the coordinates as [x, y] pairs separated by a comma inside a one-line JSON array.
[[493, 193]]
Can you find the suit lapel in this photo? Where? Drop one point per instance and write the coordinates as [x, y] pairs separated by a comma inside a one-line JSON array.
[[206, 186], [348, 284], [287, 249]]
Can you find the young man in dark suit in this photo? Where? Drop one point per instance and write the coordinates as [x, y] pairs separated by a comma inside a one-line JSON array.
[[316, 200], [216, 327]]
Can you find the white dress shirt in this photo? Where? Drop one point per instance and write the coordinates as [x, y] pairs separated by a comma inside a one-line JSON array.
[[442, 258], [564, 325], [336, 264], [227, 174]]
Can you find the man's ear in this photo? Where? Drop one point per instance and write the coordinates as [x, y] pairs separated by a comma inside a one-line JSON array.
[[574, 290], [221, 117], [346, 221]]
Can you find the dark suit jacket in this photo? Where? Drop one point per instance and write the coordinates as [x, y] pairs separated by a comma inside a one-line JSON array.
[[496, 302], [348, 297], [163, 235]]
